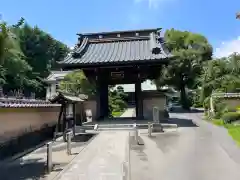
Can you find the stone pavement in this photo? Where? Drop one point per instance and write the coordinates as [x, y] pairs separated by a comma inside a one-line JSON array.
[[220, 134], [103, 158], [192, 152], [32, 165], [129, 112]]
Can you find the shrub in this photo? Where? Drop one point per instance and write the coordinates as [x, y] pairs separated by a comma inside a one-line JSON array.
[[218, 122], [231, 117], [238, 109], [230, 109]]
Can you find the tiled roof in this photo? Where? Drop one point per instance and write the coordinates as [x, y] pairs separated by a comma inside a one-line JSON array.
[[68, 97], [92, 49], [18, 103], [57, 75]]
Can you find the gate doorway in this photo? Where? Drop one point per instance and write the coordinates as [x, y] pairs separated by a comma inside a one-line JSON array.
[[122, 101], [120, 57]]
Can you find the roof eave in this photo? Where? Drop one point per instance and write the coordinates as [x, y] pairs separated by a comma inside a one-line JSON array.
[[116, 32], [119, 63]]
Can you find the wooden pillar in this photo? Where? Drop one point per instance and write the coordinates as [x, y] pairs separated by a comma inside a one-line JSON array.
[[74, 118], [139, 100], [103, 97], [105, 100], [102, 100], [64, 121], [59, 124], [98, 101]]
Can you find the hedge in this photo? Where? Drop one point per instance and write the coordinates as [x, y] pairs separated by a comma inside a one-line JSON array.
[[230, 117]]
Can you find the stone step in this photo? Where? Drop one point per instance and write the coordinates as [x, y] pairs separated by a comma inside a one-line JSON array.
[[125, 126], [114, 129]]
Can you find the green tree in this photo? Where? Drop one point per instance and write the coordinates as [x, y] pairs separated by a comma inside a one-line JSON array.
[[77, 83], [220, 75], [117, 100], [190, 51], [42, 52], [27, 55], [13, 64]]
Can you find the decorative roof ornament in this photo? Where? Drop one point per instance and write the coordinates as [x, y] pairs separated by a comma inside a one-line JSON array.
[[154, 45], [238, 15]]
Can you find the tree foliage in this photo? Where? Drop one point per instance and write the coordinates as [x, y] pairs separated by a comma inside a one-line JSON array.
[[117, 99], [220, 75], [77, 83], [13, 64], [190, 51], [26, 56]]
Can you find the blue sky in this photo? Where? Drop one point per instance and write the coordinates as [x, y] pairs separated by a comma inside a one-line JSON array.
[[63, 19]]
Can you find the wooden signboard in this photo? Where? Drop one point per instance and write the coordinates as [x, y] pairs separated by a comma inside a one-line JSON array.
[[117, 75]]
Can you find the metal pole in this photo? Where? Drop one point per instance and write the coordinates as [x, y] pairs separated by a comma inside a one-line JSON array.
[[49, 157], [149, 129], [69, 143]]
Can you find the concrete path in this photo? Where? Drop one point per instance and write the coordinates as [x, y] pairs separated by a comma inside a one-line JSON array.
[[103, 158], [219, 134], [129, 112], [193, 152]]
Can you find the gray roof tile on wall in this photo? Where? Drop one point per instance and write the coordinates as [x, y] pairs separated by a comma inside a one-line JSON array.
[[19, 103]]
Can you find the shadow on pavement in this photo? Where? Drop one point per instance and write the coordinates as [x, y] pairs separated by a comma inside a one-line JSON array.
[[180, 110], [83, 137], [180, 122], [27, 169]]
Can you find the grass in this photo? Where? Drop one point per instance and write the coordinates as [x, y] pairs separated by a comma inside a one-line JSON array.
[[233, 130], [218, 122], [117, 113]]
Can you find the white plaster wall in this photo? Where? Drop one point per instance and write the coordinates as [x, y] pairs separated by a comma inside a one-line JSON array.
[[51, 90], [149, 103], [48, 92]]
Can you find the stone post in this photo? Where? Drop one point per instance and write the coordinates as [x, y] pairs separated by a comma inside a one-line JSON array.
[[149, 129], [136, 132], [49, 157], [69, 143], [156, 115]]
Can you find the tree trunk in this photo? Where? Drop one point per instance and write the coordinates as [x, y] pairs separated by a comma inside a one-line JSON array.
[[183, 98], [59, 127]]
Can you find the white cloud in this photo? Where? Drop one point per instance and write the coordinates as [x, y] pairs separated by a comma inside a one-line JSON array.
[[152, 3], [227, 48]]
